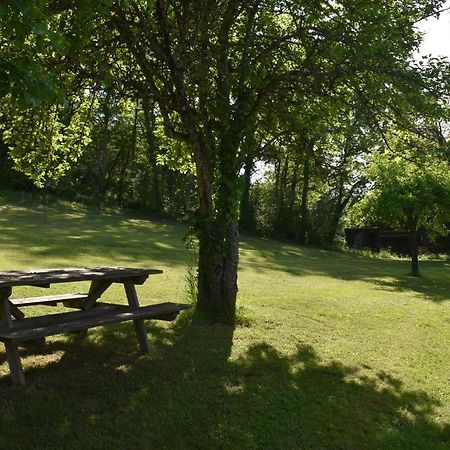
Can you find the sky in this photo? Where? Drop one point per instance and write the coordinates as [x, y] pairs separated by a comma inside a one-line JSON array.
[[437, 34]]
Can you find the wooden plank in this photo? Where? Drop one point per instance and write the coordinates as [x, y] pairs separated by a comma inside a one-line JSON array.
[[33, 328], [98, 305], [168, 317], [48, 319], [48, 299], [141, 332], [140, 280], [46, 277]]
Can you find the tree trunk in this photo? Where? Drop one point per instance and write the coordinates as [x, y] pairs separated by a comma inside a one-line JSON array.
[[280, 223], [3, 161], [149, 124], [293, 189], [217, 272], [291, 223], [247, 217], [337, 213], [104, 150], [414, 252], [304, 212], [127, 155], [218, 234], [412, 222]]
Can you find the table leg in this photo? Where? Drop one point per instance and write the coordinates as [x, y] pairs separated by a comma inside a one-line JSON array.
[[98, 287], [12, 352], [15, 365], [16, 312], [139, 326], [96, 290]]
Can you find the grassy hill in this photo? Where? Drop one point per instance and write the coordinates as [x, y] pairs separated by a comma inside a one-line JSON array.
[[333, 350]]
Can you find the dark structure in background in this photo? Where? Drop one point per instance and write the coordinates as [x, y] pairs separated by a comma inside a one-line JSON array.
[[363, 238], [376, 239]]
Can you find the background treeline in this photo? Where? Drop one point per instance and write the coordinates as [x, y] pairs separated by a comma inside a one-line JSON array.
[[116, 155], [302, 180]]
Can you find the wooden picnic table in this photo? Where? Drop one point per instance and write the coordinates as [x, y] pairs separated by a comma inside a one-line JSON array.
[[15, 328]]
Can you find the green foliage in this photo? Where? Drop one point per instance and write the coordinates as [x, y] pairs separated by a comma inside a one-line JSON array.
[[52, 142], [174, 155], [407, 193], [27, 39]]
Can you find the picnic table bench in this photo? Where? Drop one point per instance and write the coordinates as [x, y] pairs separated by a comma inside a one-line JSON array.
[[15, 328]]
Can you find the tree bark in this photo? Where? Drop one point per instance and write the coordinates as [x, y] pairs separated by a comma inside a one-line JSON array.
[[413, 245], [215, 144], [293, 189], [127, 155], [304, 212], [414, 252], [149, 124], [103, 154], [247, 216], [280, 222], [3, 160], [217, 272], [217, 229]]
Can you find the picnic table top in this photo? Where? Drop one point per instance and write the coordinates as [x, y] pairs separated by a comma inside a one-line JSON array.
[[47, 276]]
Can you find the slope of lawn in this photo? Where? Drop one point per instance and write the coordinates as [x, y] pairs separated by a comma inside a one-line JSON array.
[[332, 350]]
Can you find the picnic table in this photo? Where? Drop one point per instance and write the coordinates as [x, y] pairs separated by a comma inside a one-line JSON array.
[[89, 312]]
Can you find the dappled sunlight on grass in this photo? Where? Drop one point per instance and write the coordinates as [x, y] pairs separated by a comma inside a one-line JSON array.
[[331, 350], [97, 236], [389, 274], [259, 397]]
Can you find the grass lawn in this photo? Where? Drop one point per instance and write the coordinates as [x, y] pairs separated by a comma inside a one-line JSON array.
[[333, 351]]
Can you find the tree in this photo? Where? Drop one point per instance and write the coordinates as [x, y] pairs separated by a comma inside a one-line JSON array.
[[411, 189], [212, 66]]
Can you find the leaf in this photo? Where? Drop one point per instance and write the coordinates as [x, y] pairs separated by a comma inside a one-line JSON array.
[[3, 11]]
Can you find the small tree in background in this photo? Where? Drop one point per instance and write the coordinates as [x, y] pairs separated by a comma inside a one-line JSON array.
[[409, 191]]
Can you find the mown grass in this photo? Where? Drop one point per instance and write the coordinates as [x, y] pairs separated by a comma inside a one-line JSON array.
[[333, 350]]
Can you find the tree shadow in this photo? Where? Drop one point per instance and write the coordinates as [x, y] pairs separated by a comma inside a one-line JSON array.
[[198, 389], [388, 274], [61, 234]]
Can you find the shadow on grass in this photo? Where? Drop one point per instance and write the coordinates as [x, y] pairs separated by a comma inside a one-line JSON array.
[[62, 235], [191, 393], [50, 233], [388, 274]]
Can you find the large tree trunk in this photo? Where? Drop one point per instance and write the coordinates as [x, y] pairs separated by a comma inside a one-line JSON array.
[[218, 235], [217, 272]]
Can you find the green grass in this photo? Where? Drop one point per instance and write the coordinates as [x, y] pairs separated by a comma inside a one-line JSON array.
[[333, 350]]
